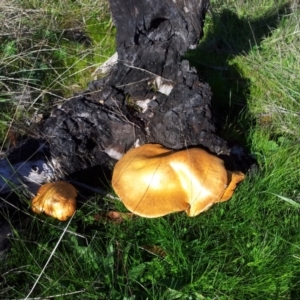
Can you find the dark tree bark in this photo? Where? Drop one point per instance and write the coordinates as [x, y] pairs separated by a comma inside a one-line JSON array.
[[151, 95]]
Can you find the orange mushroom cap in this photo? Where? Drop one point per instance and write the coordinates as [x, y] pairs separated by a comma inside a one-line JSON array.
[[153, 181], [56, 199]]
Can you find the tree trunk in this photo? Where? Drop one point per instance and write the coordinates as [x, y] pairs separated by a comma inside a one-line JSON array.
[[151, 95]]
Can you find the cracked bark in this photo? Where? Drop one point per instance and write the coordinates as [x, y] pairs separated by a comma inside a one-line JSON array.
[[151, 95]]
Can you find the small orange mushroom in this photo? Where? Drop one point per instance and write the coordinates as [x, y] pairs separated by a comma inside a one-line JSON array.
[[56, 199], [153, 181]]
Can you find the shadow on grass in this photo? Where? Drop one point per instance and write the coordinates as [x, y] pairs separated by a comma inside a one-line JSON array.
[[227, 36]]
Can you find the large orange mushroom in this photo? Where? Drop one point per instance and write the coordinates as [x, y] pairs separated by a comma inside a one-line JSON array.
[[153, 181], [56, 199]]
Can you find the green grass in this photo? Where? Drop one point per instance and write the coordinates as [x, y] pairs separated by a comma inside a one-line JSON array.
[[246, 248], [49, 51]]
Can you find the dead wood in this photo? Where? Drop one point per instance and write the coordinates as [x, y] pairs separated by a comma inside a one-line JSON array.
[[151, 95]]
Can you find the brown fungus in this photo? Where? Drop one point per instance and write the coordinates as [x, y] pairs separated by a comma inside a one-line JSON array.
[[56, 199], [153, 181]]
